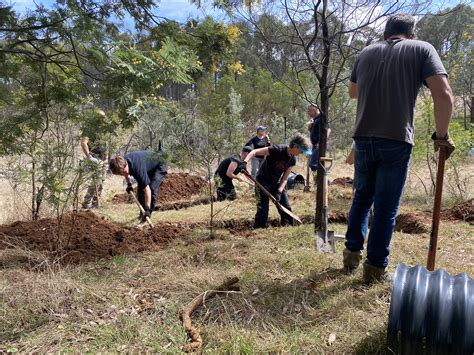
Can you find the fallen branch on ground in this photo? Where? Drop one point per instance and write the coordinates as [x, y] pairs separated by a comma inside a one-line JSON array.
[[185, 315]]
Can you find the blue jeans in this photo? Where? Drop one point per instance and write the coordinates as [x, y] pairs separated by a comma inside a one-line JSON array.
[[256, 165], [381, 167], [314, 160]]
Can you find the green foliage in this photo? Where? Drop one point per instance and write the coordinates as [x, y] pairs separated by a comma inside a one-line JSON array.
[[136, 76], [457, 179]]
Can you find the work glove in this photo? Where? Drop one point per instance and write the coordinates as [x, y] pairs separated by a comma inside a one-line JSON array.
[[92, 159], [445, 142], [129, 188], [278, 196], [242, 165]]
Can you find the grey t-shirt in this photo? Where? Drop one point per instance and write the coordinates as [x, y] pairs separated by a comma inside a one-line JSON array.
[[389, 75]]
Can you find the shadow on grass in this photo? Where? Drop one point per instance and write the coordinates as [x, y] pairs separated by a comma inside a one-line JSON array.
[[315, 300], [374, 343]]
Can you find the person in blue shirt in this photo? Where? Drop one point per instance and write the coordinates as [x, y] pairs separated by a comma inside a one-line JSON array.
[[313, 127], [148, 169]]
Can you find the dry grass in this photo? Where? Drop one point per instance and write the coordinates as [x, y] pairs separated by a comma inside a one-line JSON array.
[[292, 299]]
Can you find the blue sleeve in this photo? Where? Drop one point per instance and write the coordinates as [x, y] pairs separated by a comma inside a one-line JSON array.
[[138, 168], [141, 175]]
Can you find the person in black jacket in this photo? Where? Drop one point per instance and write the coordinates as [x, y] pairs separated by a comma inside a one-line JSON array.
[[226, 172], [273, 175], [260, 140], [149, 170]]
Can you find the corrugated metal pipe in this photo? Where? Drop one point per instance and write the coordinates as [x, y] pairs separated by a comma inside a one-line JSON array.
[[431, 312]]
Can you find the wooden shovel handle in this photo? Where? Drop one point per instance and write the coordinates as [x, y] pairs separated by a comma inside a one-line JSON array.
[[271, 197], [436, 210], [142, 210]]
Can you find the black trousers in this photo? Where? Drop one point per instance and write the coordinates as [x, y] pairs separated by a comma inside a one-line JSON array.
[[155, 183], [261, 217], [225, 188]]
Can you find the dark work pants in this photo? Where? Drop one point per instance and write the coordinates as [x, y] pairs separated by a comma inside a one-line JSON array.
[[225, 188], [314, 160], [155, 183], [261, 217], [381, 167]]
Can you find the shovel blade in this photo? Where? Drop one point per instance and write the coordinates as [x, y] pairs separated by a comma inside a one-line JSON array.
[[323, 244]]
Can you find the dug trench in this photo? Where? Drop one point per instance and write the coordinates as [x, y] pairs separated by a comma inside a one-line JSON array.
[[83, 236]]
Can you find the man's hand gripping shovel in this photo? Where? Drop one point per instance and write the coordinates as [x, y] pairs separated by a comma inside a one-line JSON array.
[[271, 197], [142, 211]]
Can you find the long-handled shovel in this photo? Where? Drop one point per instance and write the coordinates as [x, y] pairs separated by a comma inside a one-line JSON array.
[[148, 220], [326, 239], [436, 209], [271, 197]]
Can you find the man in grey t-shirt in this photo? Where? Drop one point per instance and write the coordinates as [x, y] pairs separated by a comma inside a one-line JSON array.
[[386, 79]]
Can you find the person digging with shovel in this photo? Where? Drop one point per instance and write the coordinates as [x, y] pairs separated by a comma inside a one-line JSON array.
[[386, 79], [273, 176], [228, 169], [149, 170]]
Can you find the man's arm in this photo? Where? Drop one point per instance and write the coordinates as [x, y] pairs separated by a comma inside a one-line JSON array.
[[352, 90], [443, 103], [262, 152], [284, 179], [231, 169], [85, 147], [147, 191]]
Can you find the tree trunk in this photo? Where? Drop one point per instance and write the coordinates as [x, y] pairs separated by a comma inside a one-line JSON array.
[[323, 126], [472, 109]]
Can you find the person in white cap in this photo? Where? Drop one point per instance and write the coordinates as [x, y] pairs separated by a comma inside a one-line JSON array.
[[260, 140]]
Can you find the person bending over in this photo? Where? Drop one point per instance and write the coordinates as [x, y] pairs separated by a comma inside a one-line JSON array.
[[228, 170], [148, 169], [273, 175]]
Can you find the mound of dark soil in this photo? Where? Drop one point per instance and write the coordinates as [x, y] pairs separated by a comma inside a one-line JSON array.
[[343, 181], [464, 212], [411, 224], [175, 187], [84, 236]]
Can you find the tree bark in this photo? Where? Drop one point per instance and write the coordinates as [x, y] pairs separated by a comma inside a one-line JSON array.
[[324, 109]]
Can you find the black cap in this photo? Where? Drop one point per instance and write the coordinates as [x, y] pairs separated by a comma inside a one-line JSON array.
[[247, 149]]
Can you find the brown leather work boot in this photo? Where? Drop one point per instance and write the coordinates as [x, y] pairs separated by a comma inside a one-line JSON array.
[[351, 260], [374, 274]]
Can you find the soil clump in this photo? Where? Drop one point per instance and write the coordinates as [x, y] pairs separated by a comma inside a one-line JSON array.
[[343, 181], [411, 224], [175, 187], [84, 236], [463, 212]]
